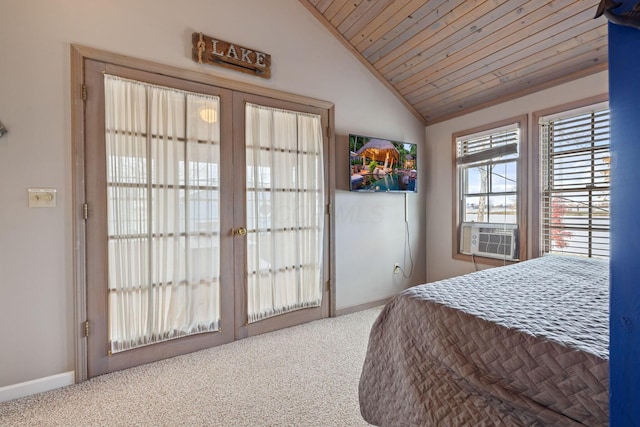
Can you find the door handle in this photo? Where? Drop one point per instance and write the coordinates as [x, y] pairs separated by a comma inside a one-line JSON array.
[[240, 231]]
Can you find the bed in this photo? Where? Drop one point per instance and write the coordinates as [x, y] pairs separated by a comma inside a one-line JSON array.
[[525, 344]]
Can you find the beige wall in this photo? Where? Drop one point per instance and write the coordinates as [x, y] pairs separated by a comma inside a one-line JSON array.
[[439, 199], [36, 270]]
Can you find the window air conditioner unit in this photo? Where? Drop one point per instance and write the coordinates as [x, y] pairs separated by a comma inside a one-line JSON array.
[[489, 240]]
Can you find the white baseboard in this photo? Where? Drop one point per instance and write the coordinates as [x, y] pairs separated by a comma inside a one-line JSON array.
[[40, 385], [354, 308]]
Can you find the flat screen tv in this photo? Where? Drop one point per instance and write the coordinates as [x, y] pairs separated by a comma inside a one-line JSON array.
[[381, 165]]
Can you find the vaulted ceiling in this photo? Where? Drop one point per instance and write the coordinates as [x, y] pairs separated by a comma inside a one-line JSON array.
[[446, 58]]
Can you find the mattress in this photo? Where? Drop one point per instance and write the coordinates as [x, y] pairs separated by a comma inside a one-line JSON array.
[[525, 344]]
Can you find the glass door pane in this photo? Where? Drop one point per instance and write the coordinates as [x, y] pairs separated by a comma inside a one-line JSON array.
[[163, 213], [285, 215]]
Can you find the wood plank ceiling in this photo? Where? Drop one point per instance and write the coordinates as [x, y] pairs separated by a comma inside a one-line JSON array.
[[446, 58]]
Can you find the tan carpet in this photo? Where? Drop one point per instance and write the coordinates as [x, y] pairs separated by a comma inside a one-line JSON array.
[[301, 376]]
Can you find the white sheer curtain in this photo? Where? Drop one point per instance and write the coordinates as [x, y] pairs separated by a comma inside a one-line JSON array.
[[285, 210], [162, 153]]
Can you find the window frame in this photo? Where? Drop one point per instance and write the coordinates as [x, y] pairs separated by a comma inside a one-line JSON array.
[[536, 247], [521, 122]]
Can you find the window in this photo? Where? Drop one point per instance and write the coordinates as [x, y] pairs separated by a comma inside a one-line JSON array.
[[489, 178], [575, 165]]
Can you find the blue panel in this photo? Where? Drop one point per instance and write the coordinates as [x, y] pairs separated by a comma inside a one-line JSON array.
[[624, 97]]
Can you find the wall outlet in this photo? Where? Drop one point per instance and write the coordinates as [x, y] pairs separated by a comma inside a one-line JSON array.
[[396, 268]]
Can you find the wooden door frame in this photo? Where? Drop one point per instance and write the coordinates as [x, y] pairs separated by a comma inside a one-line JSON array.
[[78, 56]]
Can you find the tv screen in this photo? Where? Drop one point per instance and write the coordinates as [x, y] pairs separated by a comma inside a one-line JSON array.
[[382, 165]]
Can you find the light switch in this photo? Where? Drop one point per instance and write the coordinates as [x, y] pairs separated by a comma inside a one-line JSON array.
[[42, 197]]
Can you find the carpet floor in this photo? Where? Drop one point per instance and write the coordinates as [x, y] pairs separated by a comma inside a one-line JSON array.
[[306, 375]]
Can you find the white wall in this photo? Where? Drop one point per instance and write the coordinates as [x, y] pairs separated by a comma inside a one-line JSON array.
[[439, 199], [36, 271]]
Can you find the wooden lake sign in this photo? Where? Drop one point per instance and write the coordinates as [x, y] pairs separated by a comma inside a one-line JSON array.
[[207, 50]]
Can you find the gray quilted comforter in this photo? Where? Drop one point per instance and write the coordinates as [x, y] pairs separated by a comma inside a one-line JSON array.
[[520, 345]]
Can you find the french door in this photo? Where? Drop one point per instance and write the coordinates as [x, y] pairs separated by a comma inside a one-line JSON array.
[[206, 215]]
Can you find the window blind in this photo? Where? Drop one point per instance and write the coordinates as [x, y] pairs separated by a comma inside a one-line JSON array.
[[575, 184], [483, 147]]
